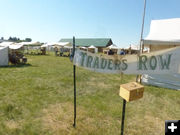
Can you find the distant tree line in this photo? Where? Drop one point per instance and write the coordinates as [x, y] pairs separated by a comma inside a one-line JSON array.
[[15, 39]]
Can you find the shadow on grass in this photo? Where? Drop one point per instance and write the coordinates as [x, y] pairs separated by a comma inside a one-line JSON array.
[[17, 66]]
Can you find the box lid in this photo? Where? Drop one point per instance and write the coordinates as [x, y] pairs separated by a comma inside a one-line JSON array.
[[132, 86]]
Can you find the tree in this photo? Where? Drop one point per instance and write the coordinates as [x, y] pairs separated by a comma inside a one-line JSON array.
[[10, 38], [14, 39], [28, 39], [2, 38]]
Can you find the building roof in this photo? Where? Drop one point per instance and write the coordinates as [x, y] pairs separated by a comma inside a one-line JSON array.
[[97, 42]]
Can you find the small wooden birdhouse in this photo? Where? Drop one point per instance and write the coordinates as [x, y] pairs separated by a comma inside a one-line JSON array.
[[131, 91]]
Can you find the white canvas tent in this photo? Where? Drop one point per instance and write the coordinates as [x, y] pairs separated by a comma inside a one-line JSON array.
[[163, 34], [60, 44], [51, 45], [4, 59], [135, 47], [93, 47], [113, 46], [48, 46]]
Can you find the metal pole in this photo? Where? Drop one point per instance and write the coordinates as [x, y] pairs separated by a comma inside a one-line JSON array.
[[142, 30], [123, 116], [74, 72]]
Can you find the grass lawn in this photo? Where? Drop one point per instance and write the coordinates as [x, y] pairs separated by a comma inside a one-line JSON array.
[[37, 99]]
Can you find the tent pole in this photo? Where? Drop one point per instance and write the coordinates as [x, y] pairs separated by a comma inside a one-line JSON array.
[[142, 30], [74, 72]]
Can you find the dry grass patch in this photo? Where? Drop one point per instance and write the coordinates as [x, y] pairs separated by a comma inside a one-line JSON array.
[[11, 124], [150, 125], [58, 119]]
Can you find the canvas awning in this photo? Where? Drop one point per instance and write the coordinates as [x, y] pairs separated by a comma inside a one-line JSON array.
[[163, 32]]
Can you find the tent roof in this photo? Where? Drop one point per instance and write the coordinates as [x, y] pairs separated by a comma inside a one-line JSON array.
[[27, 43], [44, 45], [6, 43], [92, 46], [64, 43], [58, 44], [166, 31], [133, 47], [15, 46], [113, 46], [12, 45], [97, 42], [83, 47]]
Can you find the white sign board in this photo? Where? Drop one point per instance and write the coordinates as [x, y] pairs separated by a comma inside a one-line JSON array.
[[158, 62]]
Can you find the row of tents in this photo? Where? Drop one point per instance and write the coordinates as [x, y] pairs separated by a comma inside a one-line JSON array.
[[163, 34], [117, 50], [6, 48]]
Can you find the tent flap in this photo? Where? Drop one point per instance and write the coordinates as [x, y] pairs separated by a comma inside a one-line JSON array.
[[4, 59]]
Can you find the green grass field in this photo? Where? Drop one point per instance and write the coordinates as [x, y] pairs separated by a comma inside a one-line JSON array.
[[37, 99]]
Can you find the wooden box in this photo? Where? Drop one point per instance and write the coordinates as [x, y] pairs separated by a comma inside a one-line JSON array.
[[131, 91]]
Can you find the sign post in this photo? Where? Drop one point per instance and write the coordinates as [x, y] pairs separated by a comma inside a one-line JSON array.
[[123, 116], [129, 92], [74, 77]]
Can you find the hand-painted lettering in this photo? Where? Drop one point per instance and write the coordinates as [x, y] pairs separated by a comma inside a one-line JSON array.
[[142, 62]]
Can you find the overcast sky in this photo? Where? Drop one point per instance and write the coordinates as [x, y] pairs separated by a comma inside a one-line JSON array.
[[51, 20]]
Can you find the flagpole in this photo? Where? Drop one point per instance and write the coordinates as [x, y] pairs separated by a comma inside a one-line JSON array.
[[74, 77], [142, 30]]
